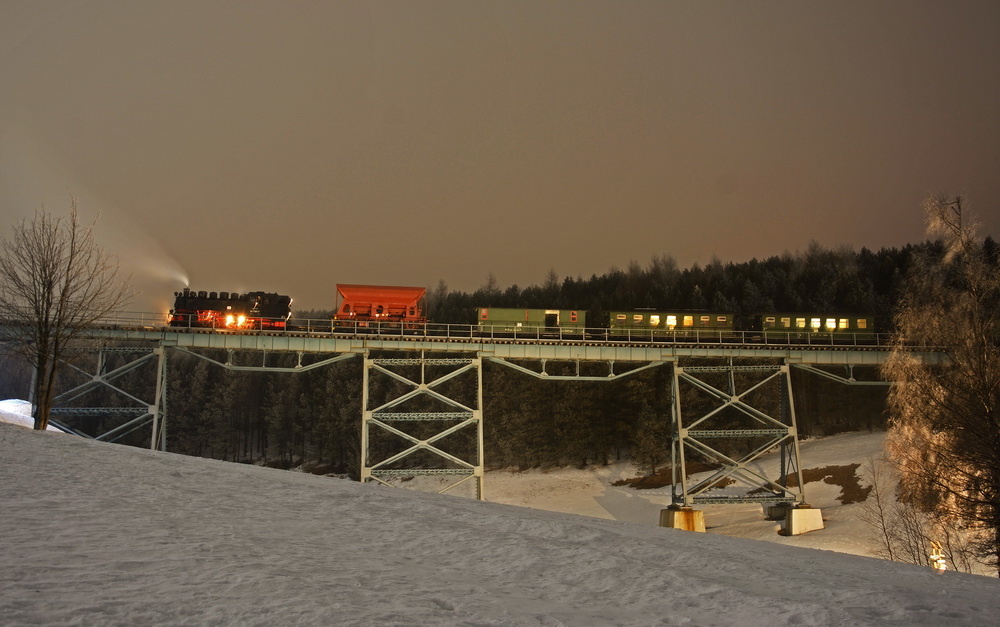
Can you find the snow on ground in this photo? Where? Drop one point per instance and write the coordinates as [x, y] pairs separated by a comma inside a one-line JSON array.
[[19, 413], [94, 533], [589, 492]]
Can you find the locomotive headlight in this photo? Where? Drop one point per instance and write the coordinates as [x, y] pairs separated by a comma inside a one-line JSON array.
[[230, 320], [241, 320]]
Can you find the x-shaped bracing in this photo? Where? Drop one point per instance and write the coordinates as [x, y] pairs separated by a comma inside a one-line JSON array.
[[393, 410], [775, 433]]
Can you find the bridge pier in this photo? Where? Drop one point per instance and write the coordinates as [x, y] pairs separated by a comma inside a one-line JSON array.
[[158, 410], [684, 518], [802, 519], [411, 413], [735, 413]]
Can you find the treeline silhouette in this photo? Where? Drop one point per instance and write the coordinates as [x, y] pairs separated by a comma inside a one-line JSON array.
[[818, 280]]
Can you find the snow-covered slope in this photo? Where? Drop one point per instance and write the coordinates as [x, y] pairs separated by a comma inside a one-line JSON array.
[[19, 413], [94, 533], [590, 492]]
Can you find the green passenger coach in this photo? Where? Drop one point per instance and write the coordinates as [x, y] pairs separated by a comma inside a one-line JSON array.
[[509, 321], [672, 324], [800, 326]]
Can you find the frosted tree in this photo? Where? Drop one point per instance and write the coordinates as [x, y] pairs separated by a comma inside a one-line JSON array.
[[945, 417], [54, 281]]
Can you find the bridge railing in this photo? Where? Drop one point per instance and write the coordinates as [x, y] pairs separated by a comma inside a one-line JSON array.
[[563, 334], [500, 333]]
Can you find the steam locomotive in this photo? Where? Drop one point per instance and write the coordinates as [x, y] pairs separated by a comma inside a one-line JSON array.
[[230, 310]]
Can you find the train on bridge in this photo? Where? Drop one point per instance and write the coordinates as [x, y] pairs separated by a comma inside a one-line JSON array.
[[385, 308], [674, 325]]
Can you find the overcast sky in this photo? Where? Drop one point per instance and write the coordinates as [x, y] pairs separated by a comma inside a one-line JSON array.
[[289, 146]]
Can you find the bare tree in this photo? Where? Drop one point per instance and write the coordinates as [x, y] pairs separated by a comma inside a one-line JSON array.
[[878, 511], [945, 418], [54, 281], [901, 532]]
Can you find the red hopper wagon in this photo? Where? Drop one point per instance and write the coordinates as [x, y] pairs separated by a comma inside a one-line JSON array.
[[373, 305]]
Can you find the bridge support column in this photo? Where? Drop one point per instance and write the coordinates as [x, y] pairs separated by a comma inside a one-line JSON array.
[[136, 408], [750, 409], [158, 439], [437, 416]]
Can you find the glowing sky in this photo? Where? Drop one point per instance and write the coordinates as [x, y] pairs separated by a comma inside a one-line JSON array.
[[289, 146]]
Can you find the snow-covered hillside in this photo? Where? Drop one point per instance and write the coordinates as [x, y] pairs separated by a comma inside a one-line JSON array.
[[94, 533], [19, 413], [590, 492]]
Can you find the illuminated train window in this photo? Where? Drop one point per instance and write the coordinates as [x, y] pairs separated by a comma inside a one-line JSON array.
[[637, 318], [654, 320], [862, 323], [831, 324], [621, 317], [800, 323], [815, 323], [671, 321], [689, 321], [844, 323], [786, 323], [769, 322]]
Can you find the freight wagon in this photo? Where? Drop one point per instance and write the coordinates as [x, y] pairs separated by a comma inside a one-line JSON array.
[[374, 307]]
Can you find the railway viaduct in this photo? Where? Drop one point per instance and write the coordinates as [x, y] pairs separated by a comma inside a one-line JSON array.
[[456, 350]]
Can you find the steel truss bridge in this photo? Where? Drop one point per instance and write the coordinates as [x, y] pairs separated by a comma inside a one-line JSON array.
[[730, 371]]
